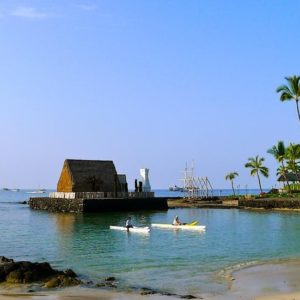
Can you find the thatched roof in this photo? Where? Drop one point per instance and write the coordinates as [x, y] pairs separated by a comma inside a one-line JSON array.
[[122, 178], [292, 177], [88, 176]]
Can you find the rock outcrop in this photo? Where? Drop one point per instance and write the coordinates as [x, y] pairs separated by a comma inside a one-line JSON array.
[[29, 272]]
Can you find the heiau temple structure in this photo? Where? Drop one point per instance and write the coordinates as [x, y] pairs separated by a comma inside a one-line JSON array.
[[93, 186], [90, 176]]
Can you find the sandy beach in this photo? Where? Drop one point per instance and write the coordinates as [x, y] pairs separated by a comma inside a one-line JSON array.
[[79, 293], [265, 282], [272, 281]]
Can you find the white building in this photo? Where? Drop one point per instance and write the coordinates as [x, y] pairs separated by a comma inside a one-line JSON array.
[[145, 178]]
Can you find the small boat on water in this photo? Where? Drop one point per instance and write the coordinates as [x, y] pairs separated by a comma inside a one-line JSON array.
[[185, 227], [40, 191], [133, 229], [175, 188], [10, 190]]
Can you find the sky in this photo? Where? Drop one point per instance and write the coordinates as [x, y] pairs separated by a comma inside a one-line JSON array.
[[154, 84]]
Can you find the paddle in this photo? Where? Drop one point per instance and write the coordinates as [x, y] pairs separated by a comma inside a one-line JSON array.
[[193, 223]]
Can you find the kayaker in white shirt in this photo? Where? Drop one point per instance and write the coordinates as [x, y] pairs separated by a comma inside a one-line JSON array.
[[128, 223], [176, 221]]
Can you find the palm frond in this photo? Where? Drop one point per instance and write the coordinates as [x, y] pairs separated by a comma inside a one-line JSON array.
[[231, 176], [264, 171], [294, 84]]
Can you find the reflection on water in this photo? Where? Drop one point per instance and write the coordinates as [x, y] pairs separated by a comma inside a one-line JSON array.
[[65, 223], [174, 260]]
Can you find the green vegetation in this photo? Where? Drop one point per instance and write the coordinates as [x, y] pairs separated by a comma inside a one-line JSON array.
[[288, 158], [291, 91], [256, 165], [293, 157], [231, 176], [279, 152]]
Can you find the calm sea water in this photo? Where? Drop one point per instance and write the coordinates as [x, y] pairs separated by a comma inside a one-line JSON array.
[[175, 261]]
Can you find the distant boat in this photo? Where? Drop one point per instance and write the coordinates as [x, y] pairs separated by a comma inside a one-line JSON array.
[[10, 190], [39, 191], [175, 188]]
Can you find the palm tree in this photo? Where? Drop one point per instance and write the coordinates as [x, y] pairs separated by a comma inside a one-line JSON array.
[[281, 171], [231, 176], [293, 157], [291, 91], [279, 152], [256, 164]]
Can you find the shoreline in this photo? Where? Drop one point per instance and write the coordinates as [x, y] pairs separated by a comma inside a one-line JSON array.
[[278, 280], [265, 204], [253, 280], [75, 293]]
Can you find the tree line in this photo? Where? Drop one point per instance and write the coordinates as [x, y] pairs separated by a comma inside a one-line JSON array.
[[288, 157]]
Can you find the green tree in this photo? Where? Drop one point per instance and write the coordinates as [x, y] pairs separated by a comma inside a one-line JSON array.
[[231, 176], [291, 91], [256, 165], [279, 152], [293, 157]]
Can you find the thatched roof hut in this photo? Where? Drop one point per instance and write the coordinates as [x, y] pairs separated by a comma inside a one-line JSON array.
[[291, 177], [89, 176]]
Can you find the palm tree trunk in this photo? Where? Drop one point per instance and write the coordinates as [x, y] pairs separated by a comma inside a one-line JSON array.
[[232, 187], [259, 182], [298, 109]]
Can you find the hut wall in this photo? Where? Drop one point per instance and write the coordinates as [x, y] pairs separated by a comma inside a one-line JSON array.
[[65, 180]]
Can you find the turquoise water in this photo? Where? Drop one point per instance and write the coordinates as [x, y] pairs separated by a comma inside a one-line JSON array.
[[174, 261]]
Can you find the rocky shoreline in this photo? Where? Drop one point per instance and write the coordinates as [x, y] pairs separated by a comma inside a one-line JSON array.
[[43, 276], [225, 202], [25, 272]]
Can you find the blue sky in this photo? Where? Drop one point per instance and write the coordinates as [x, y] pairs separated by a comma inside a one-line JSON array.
[[146, 84]]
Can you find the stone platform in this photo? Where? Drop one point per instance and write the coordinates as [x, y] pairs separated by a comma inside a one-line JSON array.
[[80, 205]]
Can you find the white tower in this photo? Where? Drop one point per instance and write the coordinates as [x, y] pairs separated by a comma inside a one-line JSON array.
[[146, 183]]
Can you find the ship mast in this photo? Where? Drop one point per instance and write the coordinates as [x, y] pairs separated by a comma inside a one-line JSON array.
[[195, 187]]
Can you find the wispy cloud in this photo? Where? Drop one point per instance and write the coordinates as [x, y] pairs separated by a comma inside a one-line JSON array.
[[86, 7], [29, 13]]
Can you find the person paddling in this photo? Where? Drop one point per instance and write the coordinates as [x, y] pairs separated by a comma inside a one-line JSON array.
[[128, 223], [176, 221]]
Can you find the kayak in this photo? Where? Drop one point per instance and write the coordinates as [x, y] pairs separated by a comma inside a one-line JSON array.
[[133, 229], [187, 226]]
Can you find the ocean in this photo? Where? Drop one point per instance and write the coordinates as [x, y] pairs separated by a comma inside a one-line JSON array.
[[174, 261]]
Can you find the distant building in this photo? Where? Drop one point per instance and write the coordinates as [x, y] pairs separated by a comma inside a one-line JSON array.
[[90, 176]]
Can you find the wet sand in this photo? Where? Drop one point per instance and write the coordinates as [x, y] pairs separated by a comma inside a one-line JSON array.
[[275, 281], [264, 282], [74, 293], [78, 293]]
